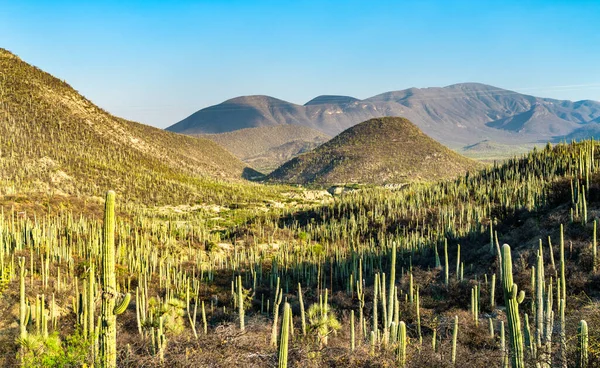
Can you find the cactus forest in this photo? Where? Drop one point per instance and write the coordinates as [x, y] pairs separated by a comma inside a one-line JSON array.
[[496, 268]]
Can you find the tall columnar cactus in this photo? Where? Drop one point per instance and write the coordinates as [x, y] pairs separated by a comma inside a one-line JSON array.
[[302, 312], [454, 338], [240, 301], [505, 360], [582, 345], [391, 294], [446, 272], [276, 303], [283, 340], [23, 315], [375, 317], [493, 293], [512, 299], [402, 343], [352, 338], [108, 318], [563, 283], [90, 302], [595, 248]]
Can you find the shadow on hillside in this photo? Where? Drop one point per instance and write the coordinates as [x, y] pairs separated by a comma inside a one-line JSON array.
[[250, 174]]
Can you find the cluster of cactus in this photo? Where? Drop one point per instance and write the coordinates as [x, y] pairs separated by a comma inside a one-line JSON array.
[[341, 253]]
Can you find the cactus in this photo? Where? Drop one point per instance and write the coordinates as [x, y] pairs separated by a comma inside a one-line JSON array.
[[375, 292], [108, 326], [595, 248], [458, 266], [283, 340], [454, 338], [402, 343], [582, 345], [505, 360], [352, 338], [512, 299], [302, 312], [90, 302], [240, 302], [23, 317], [418, 313], [493, 293], [276, 303], [446, 273], [390, 307], [204, 323]]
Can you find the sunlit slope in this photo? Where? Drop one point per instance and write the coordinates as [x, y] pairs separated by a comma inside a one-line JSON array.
[[52, 139], [377, 151]]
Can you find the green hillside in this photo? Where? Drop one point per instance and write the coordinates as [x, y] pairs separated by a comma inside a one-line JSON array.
[[53, 140], [377, 151]]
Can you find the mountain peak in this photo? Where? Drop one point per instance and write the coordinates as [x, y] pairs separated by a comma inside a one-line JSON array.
[[473, 86], [331, 99], [256, 100]]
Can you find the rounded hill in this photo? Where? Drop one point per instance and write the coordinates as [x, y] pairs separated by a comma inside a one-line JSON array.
[[379, 151]]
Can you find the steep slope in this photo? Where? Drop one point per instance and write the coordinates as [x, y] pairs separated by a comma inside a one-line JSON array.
[[456, 115], [53, 140], [377, 151], [266, 148]]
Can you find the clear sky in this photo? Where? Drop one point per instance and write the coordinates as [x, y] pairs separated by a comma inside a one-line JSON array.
[[156, 62]]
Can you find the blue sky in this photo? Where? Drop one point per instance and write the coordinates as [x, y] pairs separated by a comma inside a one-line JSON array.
[[159, 61]]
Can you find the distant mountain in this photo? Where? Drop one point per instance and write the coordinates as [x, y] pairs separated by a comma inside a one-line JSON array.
[[328, 99], [456, 115], [377, 151], [266, 148], [53, 140]]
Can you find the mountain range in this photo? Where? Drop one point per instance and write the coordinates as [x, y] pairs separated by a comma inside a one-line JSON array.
[[458, 115]]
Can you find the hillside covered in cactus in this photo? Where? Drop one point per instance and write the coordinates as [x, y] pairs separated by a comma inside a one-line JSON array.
[[377, 151], [53, 140], [183, 266]]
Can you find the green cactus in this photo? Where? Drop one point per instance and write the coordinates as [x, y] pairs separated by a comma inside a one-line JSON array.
[[108, 325], [454, 339], [276, 303], [302, 312], [582, 345], [390, 307], [512, 299], [352, 338], [493, 293], [402, 343], [240, 302], [284, 338], [23, 318], [446, 271]]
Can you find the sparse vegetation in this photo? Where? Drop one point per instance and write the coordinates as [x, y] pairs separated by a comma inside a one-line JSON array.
[[414, 277]]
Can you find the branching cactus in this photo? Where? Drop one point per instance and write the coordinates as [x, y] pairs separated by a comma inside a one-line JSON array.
[[512, 299], [110, 309]]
